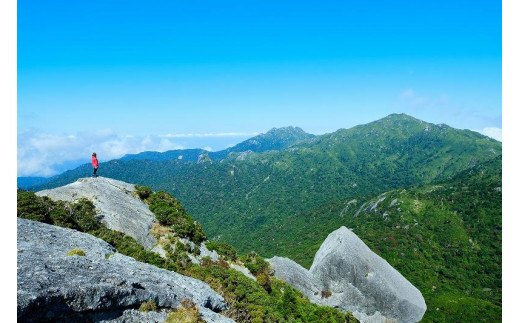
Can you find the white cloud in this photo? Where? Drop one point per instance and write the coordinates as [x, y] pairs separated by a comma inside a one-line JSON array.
[[39, 154], [208, 148], [492, 132], [203, 135]]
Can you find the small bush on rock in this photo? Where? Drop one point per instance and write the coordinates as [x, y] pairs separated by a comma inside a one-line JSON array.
[[326, 293], [188, 313], [143, 192], [223, 249], [149, 306], [76, 251], [169, 212], [255, 263]]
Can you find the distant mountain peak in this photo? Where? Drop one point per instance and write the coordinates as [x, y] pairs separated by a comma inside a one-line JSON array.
[[288, 129], [274, 139], [400, 117]]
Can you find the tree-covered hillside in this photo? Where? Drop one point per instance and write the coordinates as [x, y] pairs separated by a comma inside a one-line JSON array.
[[443, 232], [446, 238], [180, 154], [247, 200], [274, 139]]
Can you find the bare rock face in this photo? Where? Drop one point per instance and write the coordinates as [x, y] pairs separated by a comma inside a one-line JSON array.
[[102, 285], [296, 275], [346, 274], [117, 207]]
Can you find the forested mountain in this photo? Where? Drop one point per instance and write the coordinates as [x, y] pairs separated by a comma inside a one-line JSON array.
[[274, 139], [445, 237], [438, 219], [180, 154], [246, 199]]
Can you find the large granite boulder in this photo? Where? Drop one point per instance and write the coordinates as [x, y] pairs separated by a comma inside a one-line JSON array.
[[102, 285], [347, 275], [118, 208]]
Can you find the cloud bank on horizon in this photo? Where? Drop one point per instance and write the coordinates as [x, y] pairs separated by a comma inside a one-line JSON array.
[[43, 154]]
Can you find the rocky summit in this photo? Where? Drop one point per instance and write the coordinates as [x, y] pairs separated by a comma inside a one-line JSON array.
[[117, 206], [346, 274], [68, 276]]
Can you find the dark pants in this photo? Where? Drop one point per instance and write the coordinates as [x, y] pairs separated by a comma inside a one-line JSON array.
[[95, 170]]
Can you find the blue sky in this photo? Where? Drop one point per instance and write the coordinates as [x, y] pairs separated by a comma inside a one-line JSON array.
[[121, 77]]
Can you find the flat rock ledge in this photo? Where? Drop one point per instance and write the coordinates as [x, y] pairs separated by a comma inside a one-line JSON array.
[[102, 286], [115, 203], [347, 275]]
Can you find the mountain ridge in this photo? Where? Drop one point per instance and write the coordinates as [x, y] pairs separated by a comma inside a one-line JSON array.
[[446, 181], [259, 190], [274, 139]]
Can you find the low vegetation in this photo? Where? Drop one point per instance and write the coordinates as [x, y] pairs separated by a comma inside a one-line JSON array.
[[445, 238], [253, 302], [149, 306], [169, 212], [80, 216], [186, 313], [266, 300], [77, 252], [223, 249]]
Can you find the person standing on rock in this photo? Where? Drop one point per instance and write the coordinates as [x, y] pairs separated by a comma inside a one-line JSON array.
[[95, 164]]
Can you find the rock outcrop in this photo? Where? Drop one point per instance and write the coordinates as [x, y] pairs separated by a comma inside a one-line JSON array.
[[115, 203], [102, 285], [347, 275]]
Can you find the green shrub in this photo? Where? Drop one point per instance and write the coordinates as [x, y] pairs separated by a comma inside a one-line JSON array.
[[188, 303], [206, 261], [149, 306], [249, 301], [78, 216], [181, 247], [32, 207], [264, 280], [184, 315], [143, 192], [76, 251], [169, 211], [223, 249], [255, 263], [83, 214], [326, 293]]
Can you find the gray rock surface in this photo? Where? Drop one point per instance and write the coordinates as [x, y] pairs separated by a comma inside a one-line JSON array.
[[135, 316], [102, 285], [296, 275], [132, 316], [360, 281], [205, 252], [117, 207]]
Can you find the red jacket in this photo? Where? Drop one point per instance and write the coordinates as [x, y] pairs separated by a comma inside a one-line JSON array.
[[94, 162]]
